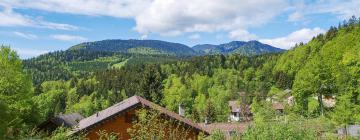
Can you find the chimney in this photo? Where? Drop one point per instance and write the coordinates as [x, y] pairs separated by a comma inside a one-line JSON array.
[[181, 111]]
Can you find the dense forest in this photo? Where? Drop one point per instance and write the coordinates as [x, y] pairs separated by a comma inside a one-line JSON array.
[[84, 81], [136, 46], [237, 47]]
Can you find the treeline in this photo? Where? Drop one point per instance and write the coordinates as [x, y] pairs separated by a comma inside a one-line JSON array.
[[186, 82], [64, 65]]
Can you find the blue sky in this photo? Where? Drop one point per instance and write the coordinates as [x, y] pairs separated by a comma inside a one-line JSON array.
[[40, 26]]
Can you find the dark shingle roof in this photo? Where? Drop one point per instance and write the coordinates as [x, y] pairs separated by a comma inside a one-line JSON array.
[[131, 102], [235, 107], [68, 120]]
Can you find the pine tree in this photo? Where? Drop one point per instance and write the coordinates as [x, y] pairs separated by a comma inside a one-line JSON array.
[[344, 111], [210, 112]]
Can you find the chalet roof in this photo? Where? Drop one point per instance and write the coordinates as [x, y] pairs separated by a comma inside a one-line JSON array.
[[238, 127], [235, 107], [226, 128], [278, 106], [70, 119], [129, 103]]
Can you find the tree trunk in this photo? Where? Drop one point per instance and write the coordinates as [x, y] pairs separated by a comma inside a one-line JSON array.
[[345, 133], [321, 104]]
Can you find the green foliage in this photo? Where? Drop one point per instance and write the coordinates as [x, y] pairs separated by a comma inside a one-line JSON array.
[[52, 101], [330, 68], [216, 135], [279, 131], [150, 124], [209, 112], [151, 83], [346, 112], [146, 50], [63, 65], [17, 109], [176, 93], [119, 65], [262, 111]]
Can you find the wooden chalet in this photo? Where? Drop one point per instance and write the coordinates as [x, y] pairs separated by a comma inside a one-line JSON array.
[[119, 117]]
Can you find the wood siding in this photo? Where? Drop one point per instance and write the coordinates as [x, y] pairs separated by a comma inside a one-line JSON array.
[[120, 124]]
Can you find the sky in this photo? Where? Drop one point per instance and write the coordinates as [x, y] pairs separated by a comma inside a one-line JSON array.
[[40, 26]]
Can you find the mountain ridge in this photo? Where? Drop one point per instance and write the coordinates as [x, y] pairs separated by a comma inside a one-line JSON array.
[[136, 46], [252, 47], [170, 48]]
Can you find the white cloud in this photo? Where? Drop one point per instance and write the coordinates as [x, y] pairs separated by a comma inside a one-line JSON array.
[[303, 35], [194, 36], [169, 17], [296, 16], [64, 37], [28, 53], [26, 35], [173, 17], [142, 37], [10, 18], [242, 35], [113, 8], [344, 9], [56, 26]]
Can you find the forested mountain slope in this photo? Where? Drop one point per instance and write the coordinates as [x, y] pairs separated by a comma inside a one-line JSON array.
[[136, 47], [64, 65], [237, 47], [328, 65], [85, 58]]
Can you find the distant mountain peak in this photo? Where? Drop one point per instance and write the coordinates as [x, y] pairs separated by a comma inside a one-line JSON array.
[[252, 47]]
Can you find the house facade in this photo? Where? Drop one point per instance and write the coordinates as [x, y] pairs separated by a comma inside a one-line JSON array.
[[239, 112], [119, 118]]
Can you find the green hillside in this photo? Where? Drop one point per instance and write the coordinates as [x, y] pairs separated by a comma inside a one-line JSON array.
[[137, 47], [327, 65], [237, 47], [64, 65]]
